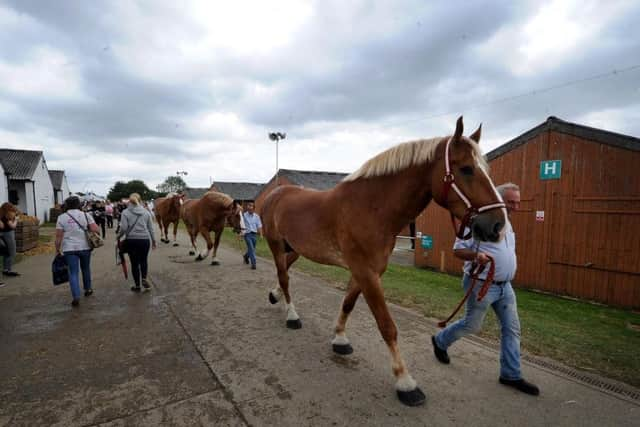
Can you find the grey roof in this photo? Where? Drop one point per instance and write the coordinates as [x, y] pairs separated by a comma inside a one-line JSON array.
[[239, 190], [20, 164], [318, 180], [56, 179], [195, 193], [581, 131]]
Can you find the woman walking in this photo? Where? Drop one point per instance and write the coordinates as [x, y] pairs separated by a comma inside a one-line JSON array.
[[71, 242], [136, 226], [8, 223]]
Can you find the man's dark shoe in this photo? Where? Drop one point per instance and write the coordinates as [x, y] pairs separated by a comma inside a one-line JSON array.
[[246, 259], [253, 267], [522, 385], [10, 273], [88, 292], [135, 288], [441, 355], [75, 302], [145, 284]]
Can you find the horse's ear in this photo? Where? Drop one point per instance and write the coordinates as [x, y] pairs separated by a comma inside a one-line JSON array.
[[476, 135], [459, 129]]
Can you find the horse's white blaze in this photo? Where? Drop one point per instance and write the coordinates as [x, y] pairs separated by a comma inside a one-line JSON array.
[[499, 197], [276, 293], [340, 339], [406, 383], [291, 312]]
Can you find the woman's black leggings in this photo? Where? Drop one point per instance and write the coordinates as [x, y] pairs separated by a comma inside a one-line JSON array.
[[138, 250]]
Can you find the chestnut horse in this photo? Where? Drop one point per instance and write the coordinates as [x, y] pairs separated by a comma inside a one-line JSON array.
[[355, 224], [211, 213], [167, 210]]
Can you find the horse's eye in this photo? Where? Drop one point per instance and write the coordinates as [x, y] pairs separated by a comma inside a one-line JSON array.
[[466, 170]]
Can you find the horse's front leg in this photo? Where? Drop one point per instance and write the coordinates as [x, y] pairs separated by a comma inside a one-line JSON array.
[[216, 242], [340, 342], [406, 387], [175, 233], [205, 233]]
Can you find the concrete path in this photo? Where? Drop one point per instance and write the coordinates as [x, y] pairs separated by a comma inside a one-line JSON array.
[[205, 347]]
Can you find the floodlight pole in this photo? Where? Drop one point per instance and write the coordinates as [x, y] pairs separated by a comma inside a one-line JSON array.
[[277, 136]]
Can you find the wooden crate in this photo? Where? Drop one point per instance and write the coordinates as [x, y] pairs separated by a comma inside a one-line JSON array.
[[26, 236]]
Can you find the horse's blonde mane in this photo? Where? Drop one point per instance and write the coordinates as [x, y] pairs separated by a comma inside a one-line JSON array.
[[397, 158], [404, 155], [223, 199]]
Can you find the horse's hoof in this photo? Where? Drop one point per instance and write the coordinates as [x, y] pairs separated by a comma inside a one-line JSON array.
[[343, 349], [192, 252], [413, 397], [272, 299], [215, 262], [294, 324], [199, 258], [175, 244]]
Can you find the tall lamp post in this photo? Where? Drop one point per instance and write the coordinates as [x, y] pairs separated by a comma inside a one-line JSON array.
[[277, 136]]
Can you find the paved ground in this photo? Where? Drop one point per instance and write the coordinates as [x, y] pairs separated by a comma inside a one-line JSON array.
[[204, 347]]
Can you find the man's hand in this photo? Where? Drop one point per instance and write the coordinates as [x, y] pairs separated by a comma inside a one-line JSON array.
[[153, 245], [482, 258]]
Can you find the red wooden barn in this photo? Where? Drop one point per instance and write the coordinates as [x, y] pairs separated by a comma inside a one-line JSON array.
[[578, 229]]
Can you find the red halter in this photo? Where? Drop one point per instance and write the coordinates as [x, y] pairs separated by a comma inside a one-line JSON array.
[[472, 211]]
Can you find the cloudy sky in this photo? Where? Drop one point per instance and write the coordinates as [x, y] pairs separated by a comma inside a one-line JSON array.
[[117, 90]]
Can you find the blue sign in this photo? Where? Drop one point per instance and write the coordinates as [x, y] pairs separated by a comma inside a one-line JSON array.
[[427, 242], [550, 169]]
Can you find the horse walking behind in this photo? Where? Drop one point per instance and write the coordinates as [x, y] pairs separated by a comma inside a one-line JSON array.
[[355, 224], [167, 210], [211, 213]]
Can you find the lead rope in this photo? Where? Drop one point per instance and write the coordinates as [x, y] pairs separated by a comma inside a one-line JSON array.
[[476, 269]]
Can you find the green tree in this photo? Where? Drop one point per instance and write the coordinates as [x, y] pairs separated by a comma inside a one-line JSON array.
[[172, 184], [122, 190]]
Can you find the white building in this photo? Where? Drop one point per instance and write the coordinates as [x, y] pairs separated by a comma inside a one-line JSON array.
[[29, 184], [60, 186], [4, 186]]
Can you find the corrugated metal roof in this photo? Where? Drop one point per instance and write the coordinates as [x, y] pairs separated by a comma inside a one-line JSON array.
[[317, 180], [195, 193], [56, 179], [581, 131], [239, 190], [21, 164]]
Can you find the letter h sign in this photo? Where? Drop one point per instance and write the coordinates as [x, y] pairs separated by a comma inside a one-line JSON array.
[[550, 169]]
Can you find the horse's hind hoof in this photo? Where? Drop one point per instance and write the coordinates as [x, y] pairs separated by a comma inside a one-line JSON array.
[[175, 245], [199, 258], [272, 299], [165, 241], [294, 324], [215, 262], [413, 397], [343, 349], [192, 252]]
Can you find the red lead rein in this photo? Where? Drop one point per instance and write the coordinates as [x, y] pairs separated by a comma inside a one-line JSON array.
[[476, 269]]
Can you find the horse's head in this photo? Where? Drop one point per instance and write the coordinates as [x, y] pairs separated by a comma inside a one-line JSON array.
[[177, 200], [234, 217], [8, 211], [461, 183]]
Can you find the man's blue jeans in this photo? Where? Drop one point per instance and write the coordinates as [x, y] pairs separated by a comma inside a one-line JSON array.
[[250, 240], [79, 260], [503, 301]]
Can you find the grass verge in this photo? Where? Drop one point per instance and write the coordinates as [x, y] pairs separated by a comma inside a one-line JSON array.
[[591, 337]]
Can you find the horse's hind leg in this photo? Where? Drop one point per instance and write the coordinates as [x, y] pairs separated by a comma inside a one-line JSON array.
[[340, 342], [283, 261], [408, 391], [193, 236]]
